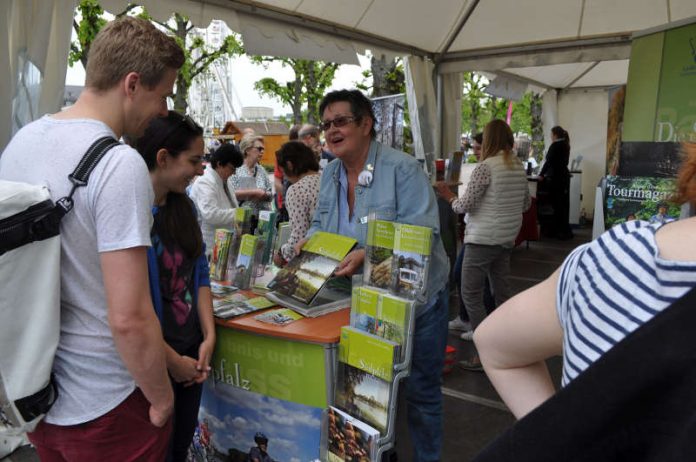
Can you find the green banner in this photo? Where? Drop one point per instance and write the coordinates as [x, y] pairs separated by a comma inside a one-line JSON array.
[[271, 366], [660, 96]]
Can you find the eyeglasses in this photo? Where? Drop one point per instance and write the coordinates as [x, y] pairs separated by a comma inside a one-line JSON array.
[[258, 148], [338, 122], [183, 119]]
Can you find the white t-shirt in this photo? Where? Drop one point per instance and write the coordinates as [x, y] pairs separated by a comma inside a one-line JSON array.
[[111, 213]]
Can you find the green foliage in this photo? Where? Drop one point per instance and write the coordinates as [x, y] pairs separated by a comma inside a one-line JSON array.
[[198, 57], [479, 108], [304, 92]]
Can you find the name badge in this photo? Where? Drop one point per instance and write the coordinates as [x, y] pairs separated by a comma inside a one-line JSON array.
[[363, 220]]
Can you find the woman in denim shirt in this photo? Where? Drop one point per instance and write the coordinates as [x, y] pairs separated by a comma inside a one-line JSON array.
[[367, 177]]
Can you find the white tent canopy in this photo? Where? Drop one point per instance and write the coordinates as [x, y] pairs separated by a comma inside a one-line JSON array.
[[567, 46]]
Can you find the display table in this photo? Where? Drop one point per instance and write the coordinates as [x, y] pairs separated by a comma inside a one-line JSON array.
[[272, 379]]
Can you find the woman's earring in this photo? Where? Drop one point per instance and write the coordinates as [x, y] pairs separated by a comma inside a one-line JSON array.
[[365, 177]]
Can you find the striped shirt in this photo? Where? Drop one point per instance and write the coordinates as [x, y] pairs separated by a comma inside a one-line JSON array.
[[610, 287]]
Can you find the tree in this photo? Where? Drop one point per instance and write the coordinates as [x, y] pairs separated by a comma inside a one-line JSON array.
[[312, 78], [91, 21], [536, 126], [198, 56], [472, 103], [387, 77]]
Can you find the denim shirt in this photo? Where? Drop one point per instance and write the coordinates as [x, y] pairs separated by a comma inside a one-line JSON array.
[[400, 192]]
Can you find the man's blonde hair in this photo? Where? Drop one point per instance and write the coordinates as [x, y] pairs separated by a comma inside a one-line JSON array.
[[131, 44]]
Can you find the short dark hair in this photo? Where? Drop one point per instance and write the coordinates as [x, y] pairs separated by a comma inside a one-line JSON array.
[[360, 105], [302, 157], [228, 153], [294, 133], [479, 138]]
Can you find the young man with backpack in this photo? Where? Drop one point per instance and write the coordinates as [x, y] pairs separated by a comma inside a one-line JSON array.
[[114, 395]]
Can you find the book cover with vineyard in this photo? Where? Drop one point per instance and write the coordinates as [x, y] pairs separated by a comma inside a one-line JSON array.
[[303, 277]]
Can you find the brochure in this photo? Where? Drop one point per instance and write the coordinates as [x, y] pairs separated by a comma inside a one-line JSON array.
[[368, 352], [266, 230], [392, 318], [639, 198], [304, 276], [349, 438], [221, 249], [378, 253], [364, 305], [220, 288], [334, 295], [411, 259], [238, 304], [246, 261], [279, 316], [363, 396]]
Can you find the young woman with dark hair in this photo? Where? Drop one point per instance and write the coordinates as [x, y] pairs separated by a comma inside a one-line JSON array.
[[300, 166], [172, 147]]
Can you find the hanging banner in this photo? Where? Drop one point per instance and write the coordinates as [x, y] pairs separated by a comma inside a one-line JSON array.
[[660, 106]]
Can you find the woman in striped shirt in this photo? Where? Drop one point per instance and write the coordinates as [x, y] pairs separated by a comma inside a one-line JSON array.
[[603, 291]]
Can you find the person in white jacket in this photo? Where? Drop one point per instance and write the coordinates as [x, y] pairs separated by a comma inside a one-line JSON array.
[[210, 192]]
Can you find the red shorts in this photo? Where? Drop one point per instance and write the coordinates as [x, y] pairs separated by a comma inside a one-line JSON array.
[[122, 434]]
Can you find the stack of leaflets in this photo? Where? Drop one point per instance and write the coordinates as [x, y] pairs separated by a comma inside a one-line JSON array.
[[237, 304], [349, 439], [221, 252], [246, 262], [279, 316], [380, 313], [306, 284], [397, 257], [266, 231], [364, 375]]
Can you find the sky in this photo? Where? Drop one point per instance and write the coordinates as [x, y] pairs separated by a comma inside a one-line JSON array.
[[246, 73]]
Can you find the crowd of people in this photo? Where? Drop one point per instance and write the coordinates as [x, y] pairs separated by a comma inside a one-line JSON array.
[[133, 354]]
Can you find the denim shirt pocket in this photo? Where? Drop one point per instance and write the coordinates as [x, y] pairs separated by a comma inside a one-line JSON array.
[[324, 209]]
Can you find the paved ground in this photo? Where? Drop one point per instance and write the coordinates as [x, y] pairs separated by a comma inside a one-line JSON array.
[[474, 414]]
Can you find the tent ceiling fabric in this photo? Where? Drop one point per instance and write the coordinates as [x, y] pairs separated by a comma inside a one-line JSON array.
[[554, 43]]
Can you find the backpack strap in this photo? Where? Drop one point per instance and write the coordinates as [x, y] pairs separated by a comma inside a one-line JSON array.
[[80, 175]]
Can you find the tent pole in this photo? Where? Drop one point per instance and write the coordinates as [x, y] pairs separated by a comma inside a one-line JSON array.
[[440, 110]]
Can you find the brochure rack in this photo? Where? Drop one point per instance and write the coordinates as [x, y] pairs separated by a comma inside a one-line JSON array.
[[400, 368]]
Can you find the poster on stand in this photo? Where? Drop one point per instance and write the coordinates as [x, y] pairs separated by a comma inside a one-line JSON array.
[[389, 120], [648, 158]]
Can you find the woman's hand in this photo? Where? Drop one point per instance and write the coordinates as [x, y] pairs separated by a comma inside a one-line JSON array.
[[351, 263], [183, 370], [278, 260], [205, 354], [299, 245], [444, 191]]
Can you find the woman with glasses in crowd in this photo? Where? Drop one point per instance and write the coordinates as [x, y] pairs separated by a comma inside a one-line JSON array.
[[216, 202], [172, 148], [250, 183]]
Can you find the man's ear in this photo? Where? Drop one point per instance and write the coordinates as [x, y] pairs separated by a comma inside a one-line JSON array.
[[161, 157], [131, 82]]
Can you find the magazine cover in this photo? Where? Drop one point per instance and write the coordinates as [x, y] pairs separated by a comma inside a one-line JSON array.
[[363, 313], [246, 260], [363, 396], [238, 304], [378, 254], [368, 352], [304, 275], [221, 249], [242, 220], [639, 198], [266, 231], [349, 438], [411, 258]]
